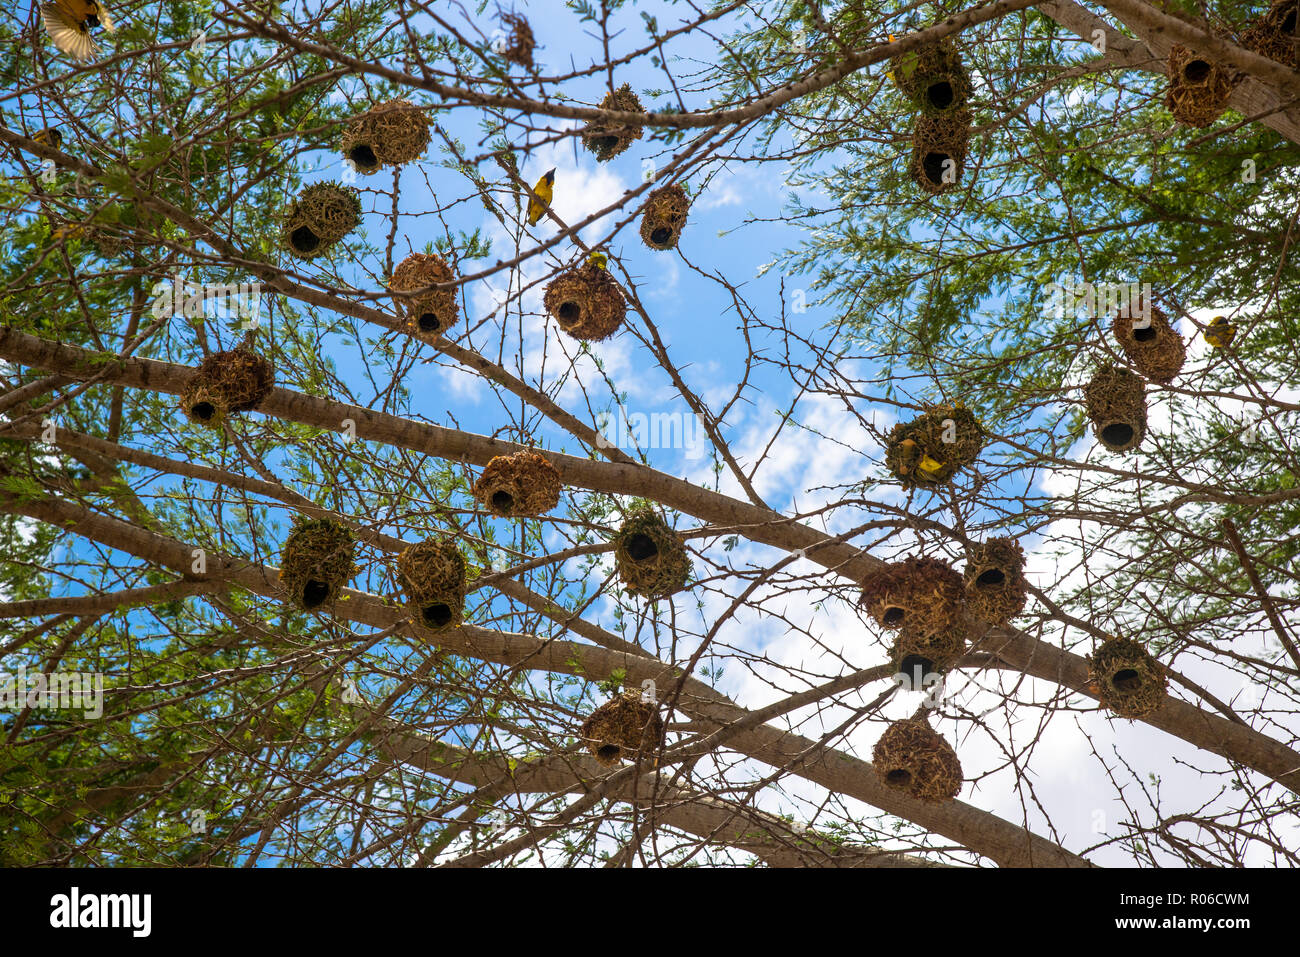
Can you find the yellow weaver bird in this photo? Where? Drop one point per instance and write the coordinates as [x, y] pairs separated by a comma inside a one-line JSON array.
[[930, 468], [68, 23], [1220, 332], [49, 136], [597, 259], [541, 202]]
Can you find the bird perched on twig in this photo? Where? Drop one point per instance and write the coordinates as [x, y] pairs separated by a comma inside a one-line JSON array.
[[1220, 332], [541, 201], [68, 23], [598, 259]]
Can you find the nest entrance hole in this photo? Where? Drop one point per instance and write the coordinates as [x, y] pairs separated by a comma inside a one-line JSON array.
[[991, 578], [608, 752], [1127, 680], [304, 240], [1196, 71], [893, 616], [911, 665], [1117, 433], [940, 95], [602, 144], [661, 236], [363, 157], [899, 777], [641, 547], [428, 322], [314, 593], [1288, 24], [503, 501], [1144, 334], [934, 166], [570, 312], [203, 411], [436, 615]]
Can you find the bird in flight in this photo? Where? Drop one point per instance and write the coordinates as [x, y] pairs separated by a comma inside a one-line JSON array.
[[69, 22]]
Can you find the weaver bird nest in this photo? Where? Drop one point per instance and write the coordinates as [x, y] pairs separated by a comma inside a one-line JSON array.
[[388, 134], [995, 580], [939, 150], [1115, 400], [1155, 349], [922, 597], [913, 758], [226, 382], [607, 140], [918, 652], [318, 560], [1198, 88], [432, 313], [623, 728], [1273, 35], [664, 217], [933, 77], [650, 557], [933, 447], [518, 46], [322, 214], [586, 302], [522, 484], [432, 574], [1126, 678]]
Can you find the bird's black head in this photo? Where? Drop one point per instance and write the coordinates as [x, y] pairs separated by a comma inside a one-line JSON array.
[[550, 177]]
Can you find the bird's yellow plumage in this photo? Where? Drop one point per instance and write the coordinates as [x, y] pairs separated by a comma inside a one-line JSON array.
[[543, 192], [597, 259], [68, 23], [1220, 332], [930, 468]]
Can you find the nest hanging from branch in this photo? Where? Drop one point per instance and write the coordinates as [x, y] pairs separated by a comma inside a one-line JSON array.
[[939, 145], [664, 217], [227, 382], [432, 574], [623, 728], [1198, 88], [924, 594], [318, 560], [1273, 35], [1115, 400], [518, 46], [912, 757], [433, 313], [1126, 678], [995, 580], [322, 214], [519, 485], [586, 302], [933, 77], [389, 134], [918, 652], [1156, 349], [933, 447], [607, 140], [650, 557]]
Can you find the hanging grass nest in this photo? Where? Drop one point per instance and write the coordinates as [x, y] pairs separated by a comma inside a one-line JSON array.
[[1273, 35], [995, 580], [322, 214], [433, 313], [519, 44], [664, 217], [432, 574], [1157, 350], [925, 594], [623, 727], [912, 757], [519, 485], [227, 382], [1198, 88], [607, 140], [933, 77], [586, 302], [1126, 678], [1115, 400], [939, 151], [933, 447], [318, 560], [650, 557], [390, 134], [918, 651]]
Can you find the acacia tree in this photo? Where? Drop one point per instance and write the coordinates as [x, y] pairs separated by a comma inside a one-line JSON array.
[[241, 728]]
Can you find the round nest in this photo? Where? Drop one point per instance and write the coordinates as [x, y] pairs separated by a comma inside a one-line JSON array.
[[917, 652], [433, 313], [1273, 35], [1116, 403], [664, 217], [1198, 88], [322, 214], [1157, 351], [912, 757], [432, 574], [1126, 678], [935, 446], [390, 134], [933, 77], [994, 579], [226, 382], [924, 595], [518, 47], [318, 560], [522, 484], [586, 302], [607, 140], [939, 145], [618, 729], [650, 557]]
